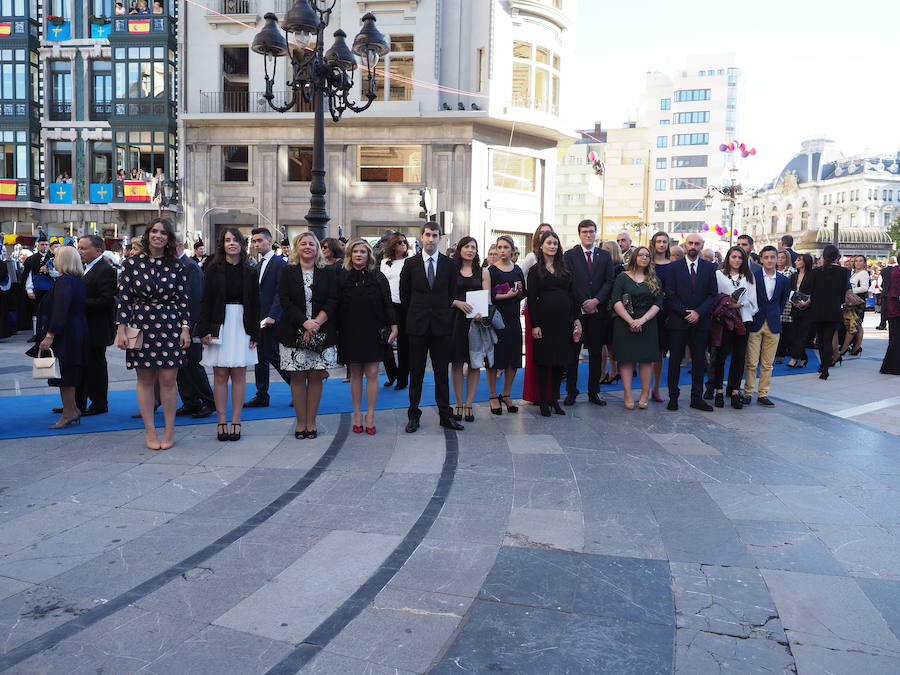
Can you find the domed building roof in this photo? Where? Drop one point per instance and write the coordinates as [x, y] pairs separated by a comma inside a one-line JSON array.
[[814, 162]]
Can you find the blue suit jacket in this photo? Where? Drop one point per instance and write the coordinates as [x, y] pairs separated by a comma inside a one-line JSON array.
[[682, 295], [195, 288], [770, 310], [269, 304]]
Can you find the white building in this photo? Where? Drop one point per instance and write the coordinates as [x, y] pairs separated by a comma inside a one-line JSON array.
[[820, 191], [689, 114], [490, 151]]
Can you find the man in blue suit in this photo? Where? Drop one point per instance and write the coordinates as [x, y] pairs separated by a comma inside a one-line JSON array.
[[691, 291], [772, 290], [269, 270]]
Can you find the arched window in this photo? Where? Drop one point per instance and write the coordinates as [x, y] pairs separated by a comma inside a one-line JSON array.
[[773, 219], [788, 218], [804, 215]]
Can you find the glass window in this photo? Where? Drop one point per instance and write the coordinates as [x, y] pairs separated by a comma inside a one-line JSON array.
[[512, 171], [13, 156], [521, 90], [665, 104], [235, 163], [660, 183], [683, 95], [101, 94], [660, 162], [663, 122], [688, 183], [535, 77], [680, 161], [101, 162], [398, 68], [662, 141], [61, 88], [390, 163], [142, 74], [521, 50], [687, 205], [695, 117], [659, 206], [300, 161], [690, 139]]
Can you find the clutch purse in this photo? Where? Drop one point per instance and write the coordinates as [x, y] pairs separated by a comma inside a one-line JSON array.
[[738, 296], [134, 337], [315, 344], [501, 289], [45, 367], [627, 304]]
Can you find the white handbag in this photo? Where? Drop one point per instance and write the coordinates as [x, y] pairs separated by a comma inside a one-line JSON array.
[[45, 368]]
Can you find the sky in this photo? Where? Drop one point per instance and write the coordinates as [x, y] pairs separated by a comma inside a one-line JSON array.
[[809, 67]]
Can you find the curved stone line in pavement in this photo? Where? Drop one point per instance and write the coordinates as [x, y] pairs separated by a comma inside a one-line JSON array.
[[326, 631], [55, 636]]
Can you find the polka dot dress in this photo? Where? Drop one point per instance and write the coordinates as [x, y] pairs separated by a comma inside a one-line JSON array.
[[153, 297]]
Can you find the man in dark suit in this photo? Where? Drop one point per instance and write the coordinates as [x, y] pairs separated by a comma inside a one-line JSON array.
[[745, 241], [427, 287], [592, 272], [193, 382], [691, 291], [101, 284], [772, 290], [885, 275], [268, 271], [787, 243]]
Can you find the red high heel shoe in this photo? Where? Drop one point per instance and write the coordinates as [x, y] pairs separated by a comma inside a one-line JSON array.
[[370, 431], [357, 428]]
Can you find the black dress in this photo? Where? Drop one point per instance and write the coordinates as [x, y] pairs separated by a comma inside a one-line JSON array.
[[552, 308], [153, 297], [459, 340], [508, 350], [364, 309]]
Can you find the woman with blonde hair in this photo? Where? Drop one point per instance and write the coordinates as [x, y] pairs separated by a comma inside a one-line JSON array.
[[306, 331], [366, 322], [65, 325]]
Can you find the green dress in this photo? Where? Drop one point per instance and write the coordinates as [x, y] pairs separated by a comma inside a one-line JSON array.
[[631, 347]]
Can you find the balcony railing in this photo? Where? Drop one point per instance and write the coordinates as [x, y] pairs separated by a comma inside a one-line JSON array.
[[101, 110], [141, 24], [60, 111], [19, 110], [233, 6], [143, 109], [244, 102]]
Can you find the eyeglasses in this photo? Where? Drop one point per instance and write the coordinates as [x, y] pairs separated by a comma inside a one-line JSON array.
[[642, 255]]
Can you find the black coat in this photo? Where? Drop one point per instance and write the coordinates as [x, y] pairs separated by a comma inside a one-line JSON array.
[[62, 313], [292, 295], [101, 284], [428, 308], [195, 289], [212, 309], [33, 265], [827, 290], [269, 306], [682, 295], [598, 284]]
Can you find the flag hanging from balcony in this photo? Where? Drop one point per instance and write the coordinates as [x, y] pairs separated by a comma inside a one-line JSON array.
[[8, 189], [60, 193], [139, 26], [5, 29], [101, 193], [136, 191], [58, 32]]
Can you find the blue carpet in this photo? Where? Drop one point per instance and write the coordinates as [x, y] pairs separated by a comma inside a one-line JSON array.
[[32, 413]]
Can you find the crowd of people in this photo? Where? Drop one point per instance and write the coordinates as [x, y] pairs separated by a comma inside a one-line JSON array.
[[334, 303]]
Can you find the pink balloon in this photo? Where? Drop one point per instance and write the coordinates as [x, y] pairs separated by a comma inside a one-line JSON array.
[[742, 147], [752, 151], [731, 147], [592, 156], [735, 232]]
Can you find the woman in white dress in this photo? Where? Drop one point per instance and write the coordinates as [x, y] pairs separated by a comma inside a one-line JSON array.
[[306, 331], [228, 328]]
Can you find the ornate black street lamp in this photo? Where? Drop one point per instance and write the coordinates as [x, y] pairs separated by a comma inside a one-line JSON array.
[[729, 193], [319, 76]]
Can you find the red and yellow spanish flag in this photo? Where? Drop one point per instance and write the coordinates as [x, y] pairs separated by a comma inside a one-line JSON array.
[[8, 189], [5, 29], [139, 26], [136, 191]]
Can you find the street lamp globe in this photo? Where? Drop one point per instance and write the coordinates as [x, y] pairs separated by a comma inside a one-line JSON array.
[[708, 199]]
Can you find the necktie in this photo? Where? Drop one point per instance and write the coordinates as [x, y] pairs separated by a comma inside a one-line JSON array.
[[590, 262], [430, 272], [693, 275]]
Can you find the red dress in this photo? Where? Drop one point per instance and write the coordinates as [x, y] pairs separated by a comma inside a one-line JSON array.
[[530, 390]]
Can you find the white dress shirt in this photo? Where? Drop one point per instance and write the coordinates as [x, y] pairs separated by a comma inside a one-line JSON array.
[[87, 268], [859, 282], [769, 281], [391, 269], [729, 285]]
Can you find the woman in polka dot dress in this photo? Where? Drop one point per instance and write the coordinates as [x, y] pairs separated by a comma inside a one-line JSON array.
[[153, 298]]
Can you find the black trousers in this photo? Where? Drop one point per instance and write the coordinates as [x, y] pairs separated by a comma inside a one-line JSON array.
[[94, 383], [193, 384], [786, 339], [398, 369], [736, 345], [824, 335], [680, 338], [799, 336], [438, 347], [548, 380], [593, 326], [36, 310], [267, 353]]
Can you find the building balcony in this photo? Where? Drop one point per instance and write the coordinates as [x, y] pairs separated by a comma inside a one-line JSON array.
[[25, 191], [101, 110], [59, 111], [21, 110], [134, 111], [233, 7], [142, 24], [244, 102]]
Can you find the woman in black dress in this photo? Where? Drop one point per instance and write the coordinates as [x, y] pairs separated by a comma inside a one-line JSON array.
[[366, 322], [153, 299], [554, 323], [828, 286], [470, 276], [63, 318], [890, 293], [507, 289], [228, 326], [803, 266], [660, 246]]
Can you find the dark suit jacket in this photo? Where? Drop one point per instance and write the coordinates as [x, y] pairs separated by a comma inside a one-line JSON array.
[[596, 285], [212, 309], [428, 309], [269, 304], [292, 296], [682, 295], [827, 289], [770, 310], [195, 289], [101, 284]]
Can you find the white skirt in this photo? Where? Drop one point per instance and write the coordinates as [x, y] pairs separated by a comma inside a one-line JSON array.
[[234, 350]]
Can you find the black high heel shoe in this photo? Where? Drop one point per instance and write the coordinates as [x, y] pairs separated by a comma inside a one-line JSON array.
[[556, 408], [499, 410], [615, 378], [856, 352], [470, 414], [824, 375], [457, 413], [545, 410], [605, 379], [510, 408], [235, 434], [837, 362], [222, 432]]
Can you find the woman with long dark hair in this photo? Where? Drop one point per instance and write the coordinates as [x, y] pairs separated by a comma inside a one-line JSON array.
[[828, 286], [660, 247], [734, 275], [554, 321], [396, 250], [803, 266], [333, 252], [153, 301], [228, 326], [470, 276], [507, 288], [530, 390], [365, 322]]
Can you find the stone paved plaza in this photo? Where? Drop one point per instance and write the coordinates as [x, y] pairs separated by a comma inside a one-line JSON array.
[[606, 541]]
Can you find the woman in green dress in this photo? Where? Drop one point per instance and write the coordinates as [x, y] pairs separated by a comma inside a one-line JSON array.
[[637, 297]]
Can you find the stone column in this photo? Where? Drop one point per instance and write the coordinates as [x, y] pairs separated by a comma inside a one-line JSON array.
[[267, 191]]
